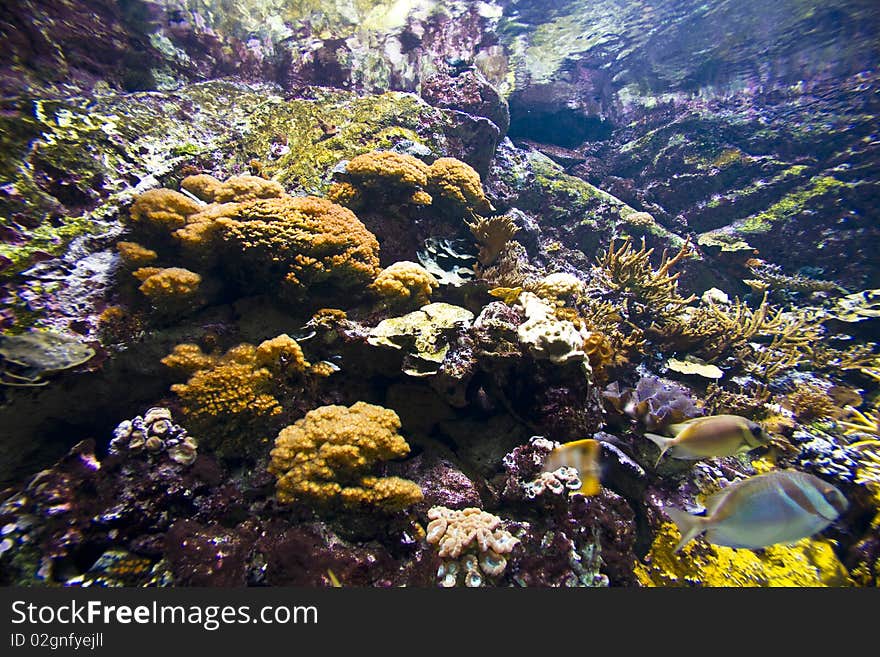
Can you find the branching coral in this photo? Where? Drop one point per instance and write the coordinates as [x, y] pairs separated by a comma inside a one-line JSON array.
[[328, 457], [771, 277], [405, 283], [458, 183], [492, 234], [471, 542], [630, 270], [810, 401]]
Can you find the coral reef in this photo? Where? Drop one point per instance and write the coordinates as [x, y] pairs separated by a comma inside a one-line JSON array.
[[152, 434], [326, 458], [808, 563]]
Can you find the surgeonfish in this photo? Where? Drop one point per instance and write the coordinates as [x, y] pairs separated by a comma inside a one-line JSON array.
[[711, 436], [783, 506], [583, 456]]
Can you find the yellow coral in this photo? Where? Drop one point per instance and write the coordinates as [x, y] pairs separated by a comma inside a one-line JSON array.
[[327, 457], [282, 355], [405, 282], [189, 358], [809, 562], [344, 194], [559, 287], [169, 286], [307, 240], [380, 168], [135, 255], [162, 208], [237, 188], [456, 181]]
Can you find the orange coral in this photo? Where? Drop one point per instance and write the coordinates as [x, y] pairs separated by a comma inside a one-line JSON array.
[[456, 181], [135, 255], [405, 282], [380, 168], [304, 240], [326, 458], [169, 286], [162, 208], [237, 188]]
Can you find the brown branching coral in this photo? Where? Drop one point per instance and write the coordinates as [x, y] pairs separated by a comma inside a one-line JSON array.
[[492, 234], [628, 270], [329, 456], [769, 276], [810, 401], [748, 402]]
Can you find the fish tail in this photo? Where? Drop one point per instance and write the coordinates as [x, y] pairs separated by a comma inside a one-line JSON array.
[[689, 525], [663, 442]]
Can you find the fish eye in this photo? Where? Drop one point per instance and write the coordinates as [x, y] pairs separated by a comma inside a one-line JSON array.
[[756, 430], [835, 498]]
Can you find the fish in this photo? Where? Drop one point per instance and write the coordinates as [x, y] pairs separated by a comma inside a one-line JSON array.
[[710, 436], [782, 506], [583, 456]]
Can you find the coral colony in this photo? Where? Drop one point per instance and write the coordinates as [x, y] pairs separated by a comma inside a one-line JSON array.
[[518, 322]]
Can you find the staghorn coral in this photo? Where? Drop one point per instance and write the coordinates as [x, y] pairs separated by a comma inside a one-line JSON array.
[[327, 457], [162, 209], [470, 542], [809, 562], [770, 276], [168, 288], [236, 188], [459, 184], [627, 270], [810, 401], [492, 234], [405, 283]]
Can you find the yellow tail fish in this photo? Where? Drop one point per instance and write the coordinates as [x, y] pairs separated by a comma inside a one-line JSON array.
[[711, 436], [583, 456]]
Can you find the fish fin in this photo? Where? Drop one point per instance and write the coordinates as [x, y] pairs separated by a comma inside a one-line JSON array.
[[590, 485], [689, 525], [663, 442]]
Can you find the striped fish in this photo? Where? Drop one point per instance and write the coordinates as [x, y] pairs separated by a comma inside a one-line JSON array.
[[783, 506], [583, 456]]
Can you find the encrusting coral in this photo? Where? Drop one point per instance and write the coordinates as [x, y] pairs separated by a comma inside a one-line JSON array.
[[471, 543], [135, 255], [405, 283], [329, 457], [257, 234], [168, 288], [458, 183], [808, 563]]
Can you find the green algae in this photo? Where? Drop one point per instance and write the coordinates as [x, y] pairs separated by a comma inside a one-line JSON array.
[[792, 205]]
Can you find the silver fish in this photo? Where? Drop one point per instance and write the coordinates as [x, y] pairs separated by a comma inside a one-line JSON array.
[[783, 506], [711, 436]]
